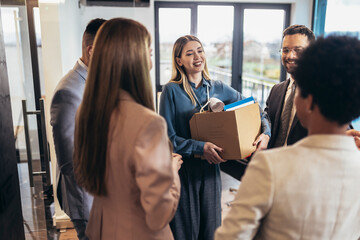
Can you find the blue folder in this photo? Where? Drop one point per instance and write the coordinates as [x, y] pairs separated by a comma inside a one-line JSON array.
[[238, 103]]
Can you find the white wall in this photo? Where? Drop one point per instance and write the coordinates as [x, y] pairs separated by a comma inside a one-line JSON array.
[[144, 15], [52, 70], [70, 33]]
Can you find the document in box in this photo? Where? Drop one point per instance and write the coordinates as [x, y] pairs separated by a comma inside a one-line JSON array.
[[239, 104]]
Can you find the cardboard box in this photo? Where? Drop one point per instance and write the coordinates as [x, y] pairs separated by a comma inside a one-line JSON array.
[[234, 131]]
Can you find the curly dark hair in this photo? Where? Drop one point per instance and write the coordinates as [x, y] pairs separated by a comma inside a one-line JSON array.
[[299, 29], [329, 70]]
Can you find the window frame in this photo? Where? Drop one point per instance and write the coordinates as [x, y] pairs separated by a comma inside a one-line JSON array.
[[237, 50]]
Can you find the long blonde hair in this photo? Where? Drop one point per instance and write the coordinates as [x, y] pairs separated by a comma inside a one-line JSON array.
[[178, 72], [120, 60]]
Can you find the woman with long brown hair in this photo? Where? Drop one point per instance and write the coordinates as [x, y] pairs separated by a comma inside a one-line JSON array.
[[122, 154]]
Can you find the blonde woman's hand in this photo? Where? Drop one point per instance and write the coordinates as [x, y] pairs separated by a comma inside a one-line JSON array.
[[356, 135], [211, 153], [177, 161], [357, 142]]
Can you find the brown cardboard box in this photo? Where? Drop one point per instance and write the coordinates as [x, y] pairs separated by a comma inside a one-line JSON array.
[[234, 131]]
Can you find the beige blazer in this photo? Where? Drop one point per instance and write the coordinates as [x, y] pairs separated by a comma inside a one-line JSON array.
[[309, 190], [143, 187]]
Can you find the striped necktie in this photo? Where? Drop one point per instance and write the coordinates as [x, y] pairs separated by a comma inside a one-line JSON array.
[[285, 119]]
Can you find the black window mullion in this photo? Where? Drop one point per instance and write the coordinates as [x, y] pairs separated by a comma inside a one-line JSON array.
[[157, 51], [237, 54], [194, 19]]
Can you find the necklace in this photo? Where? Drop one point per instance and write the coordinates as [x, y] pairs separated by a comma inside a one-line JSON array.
[[208, 100]]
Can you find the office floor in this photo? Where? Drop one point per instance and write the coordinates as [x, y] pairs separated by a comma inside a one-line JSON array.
[[38, 209]]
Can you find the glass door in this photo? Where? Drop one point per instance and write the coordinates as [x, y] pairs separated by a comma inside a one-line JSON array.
[[22, 50], [17, 51]]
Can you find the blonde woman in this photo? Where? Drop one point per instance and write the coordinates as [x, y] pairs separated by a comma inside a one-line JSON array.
[[199, 212], [122, 154]]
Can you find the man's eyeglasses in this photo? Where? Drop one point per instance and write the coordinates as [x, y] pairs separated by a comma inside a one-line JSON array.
[[297, 50]]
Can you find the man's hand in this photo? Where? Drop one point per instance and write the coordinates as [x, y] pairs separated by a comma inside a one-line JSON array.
[[211, 153], [356, 135], [177, 161], [261, 142]]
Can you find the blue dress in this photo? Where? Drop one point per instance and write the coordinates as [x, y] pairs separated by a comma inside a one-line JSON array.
[[199, 211]]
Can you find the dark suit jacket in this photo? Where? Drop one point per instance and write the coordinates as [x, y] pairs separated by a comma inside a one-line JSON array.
[[74, 200], [274, 106]]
